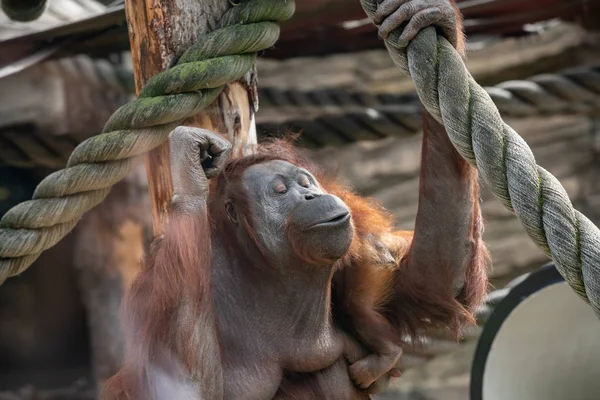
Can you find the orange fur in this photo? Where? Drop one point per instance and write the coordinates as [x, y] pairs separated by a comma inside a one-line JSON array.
[[392, 299], [175, 275], [461, 43], [382, 305]]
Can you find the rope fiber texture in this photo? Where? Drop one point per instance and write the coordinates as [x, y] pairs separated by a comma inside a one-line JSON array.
[[225, 55], [504, 160]]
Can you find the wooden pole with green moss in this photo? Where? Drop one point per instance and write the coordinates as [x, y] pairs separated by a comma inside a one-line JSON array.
[[159, 31]]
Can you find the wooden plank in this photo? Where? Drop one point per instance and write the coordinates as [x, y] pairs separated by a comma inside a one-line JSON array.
[[320, 26], [561, 46]]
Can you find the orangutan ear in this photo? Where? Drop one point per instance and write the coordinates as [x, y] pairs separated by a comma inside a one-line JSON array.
[[231, 211]]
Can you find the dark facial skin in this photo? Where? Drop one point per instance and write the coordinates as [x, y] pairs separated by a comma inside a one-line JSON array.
[[280, 298], [289, 203]]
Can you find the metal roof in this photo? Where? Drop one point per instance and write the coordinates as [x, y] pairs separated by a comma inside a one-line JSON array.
[[58, 13], [319, 26]]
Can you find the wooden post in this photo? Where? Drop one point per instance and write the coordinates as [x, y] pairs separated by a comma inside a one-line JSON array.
[[159, 31]]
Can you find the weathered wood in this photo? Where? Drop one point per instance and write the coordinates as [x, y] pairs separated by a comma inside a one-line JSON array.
[[43, 331], [373, 71], [63, 96], [159, 31], [319, 27]]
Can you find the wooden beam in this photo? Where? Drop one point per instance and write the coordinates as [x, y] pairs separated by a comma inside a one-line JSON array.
[[373, 72], [159, 31]]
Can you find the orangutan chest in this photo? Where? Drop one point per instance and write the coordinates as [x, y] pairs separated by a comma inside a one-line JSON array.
[[313, 353]]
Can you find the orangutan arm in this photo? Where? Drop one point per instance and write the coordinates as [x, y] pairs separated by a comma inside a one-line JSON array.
[[448, 230], [172, 343], [447, 258], [441, 276]]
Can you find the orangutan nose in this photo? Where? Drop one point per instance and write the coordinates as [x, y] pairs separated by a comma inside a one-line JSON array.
[[311, 195]]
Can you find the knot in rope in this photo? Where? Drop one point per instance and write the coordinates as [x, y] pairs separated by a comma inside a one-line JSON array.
[[503, 158], [224, 56]]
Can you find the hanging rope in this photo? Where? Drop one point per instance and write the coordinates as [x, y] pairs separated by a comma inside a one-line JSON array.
[[170, 97], [503, 159], [572, 91]]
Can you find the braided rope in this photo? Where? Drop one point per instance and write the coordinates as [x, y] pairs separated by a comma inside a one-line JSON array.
[[573, 91], [504, 160], [225, 55]]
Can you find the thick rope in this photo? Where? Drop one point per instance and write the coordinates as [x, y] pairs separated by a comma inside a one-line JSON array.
[[327, 117], [572, 91], [224, 56], [100, 90], [503, 159]]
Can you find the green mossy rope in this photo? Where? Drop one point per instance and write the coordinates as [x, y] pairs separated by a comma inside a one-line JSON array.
[[225, 55], [503, 159]]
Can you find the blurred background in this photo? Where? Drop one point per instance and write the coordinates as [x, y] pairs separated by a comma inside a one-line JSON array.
[[329, 77]]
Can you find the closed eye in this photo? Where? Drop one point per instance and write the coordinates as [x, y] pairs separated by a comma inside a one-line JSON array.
[[304, 181], [280, 188]]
